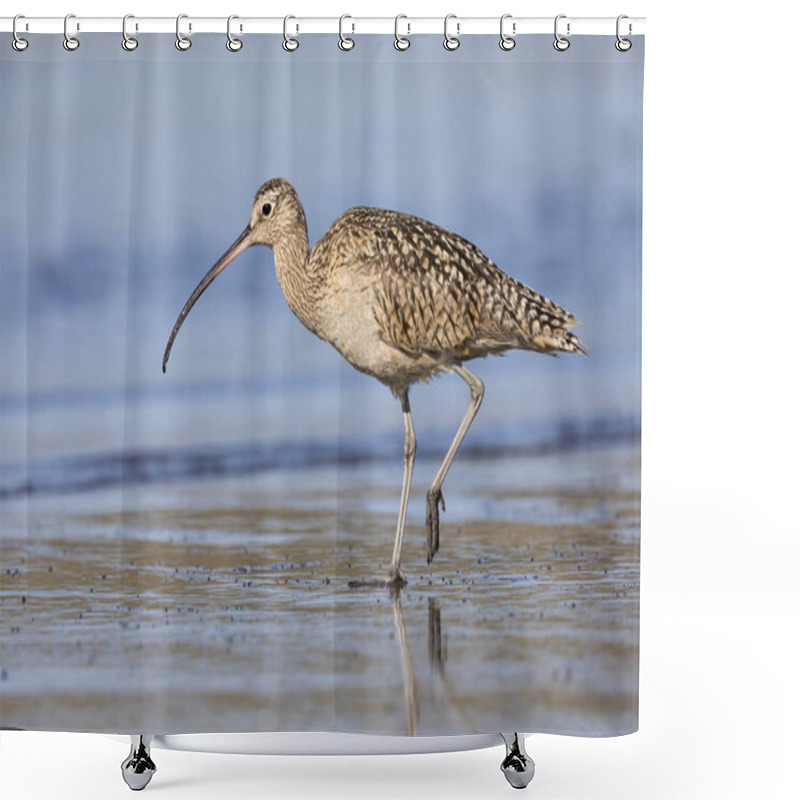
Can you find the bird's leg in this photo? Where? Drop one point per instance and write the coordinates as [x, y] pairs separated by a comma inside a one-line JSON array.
[[435, 492], [396, 579]]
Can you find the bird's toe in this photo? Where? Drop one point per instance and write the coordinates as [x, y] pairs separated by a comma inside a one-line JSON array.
[[394, 582]]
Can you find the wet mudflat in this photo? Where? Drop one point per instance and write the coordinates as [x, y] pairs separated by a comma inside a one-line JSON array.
[[223, 604]]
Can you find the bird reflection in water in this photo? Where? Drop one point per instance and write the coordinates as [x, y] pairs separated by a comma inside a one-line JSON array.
[[437, 654]]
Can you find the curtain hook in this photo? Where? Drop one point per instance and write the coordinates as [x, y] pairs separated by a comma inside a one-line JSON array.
[[507, 42], [345, 42], [400, 42], [181, 42], [18, 43], [70, 42], [289, 44], [623, 45], [451, 42], [233, 44], [561, 44], [129, 43]]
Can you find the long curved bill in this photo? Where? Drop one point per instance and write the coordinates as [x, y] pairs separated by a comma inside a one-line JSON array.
[[236, 249]]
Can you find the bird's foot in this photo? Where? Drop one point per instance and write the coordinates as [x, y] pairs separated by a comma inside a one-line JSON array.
[[435, 499], [395, 582]]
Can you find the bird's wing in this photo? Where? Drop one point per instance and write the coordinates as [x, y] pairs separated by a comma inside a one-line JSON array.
[[430, 294], [437, 293]]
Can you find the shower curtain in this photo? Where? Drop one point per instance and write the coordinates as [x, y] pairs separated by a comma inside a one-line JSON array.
[[200, 550]]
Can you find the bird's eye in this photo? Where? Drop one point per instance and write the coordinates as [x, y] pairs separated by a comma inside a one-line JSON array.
[[265, 209]]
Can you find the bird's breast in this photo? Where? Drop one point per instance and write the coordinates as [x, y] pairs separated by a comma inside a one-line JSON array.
[[349, 325]]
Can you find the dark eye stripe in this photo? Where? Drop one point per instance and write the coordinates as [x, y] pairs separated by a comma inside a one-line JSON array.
[[265, 209]]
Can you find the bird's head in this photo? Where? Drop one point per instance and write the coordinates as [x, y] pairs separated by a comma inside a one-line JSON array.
[[277, 217], [276, 213]]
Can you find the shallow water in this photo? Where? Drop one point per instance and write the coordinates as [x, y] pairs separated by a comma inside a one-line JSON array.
[[222, 604]]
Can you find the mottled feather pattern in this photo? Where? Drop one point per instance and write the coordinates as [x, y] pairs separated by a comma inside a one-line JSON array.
[[437, 293]]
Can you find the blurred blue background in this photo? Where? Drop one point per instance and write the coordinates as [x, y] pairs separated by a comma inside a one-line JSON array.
[[125, 176]]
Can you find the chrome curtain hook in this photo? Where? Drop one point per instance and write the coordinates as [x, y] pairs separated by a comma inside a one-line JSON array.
[[400, 42], [233, 44], [289, 44], [70, 42], [129, 43], [18, 43], [451, 42], [345, 42], [561, 43], [623, 45], [507, 42], [181, 41]]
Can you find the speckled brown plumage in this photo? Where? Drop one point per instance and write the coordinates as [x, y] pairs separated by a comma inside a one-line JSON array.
[[437, 294], [401, 299]]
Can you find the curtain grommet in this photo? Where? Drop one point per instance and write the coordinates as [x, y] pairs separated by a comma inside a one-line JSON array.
[[290, 44], [451, 43], [345, 42], [233, 44], [129, 43], [183, 43], [17, 42], [401, 43], [70, 43], [507, 42], [561, 43]]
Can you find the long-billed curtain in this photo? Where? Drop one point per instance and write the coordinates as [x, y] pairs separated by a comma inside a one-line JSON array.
[[208, 549]]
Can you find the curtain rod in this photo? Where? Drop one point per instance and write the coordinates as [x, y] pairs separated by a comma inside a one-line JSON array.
[[460, 26]]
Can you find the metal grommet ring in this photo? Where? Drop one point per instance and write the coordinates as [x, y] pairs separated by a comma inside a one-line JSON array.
[[181, 42], [507, 42], [233, 44], [400, 42], [18, 43], [129, 43], [289, 44], [345, 42], [70, 42], [561, 43], [623, 45], [451, 42]]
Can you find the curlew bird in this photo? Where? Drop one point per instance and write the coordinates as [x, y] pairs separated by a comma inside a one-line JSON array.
[[402, 299]]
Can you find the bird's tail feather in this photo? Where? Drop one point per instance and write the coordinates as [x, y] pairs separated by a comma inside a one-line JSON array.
[[544, 325]]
